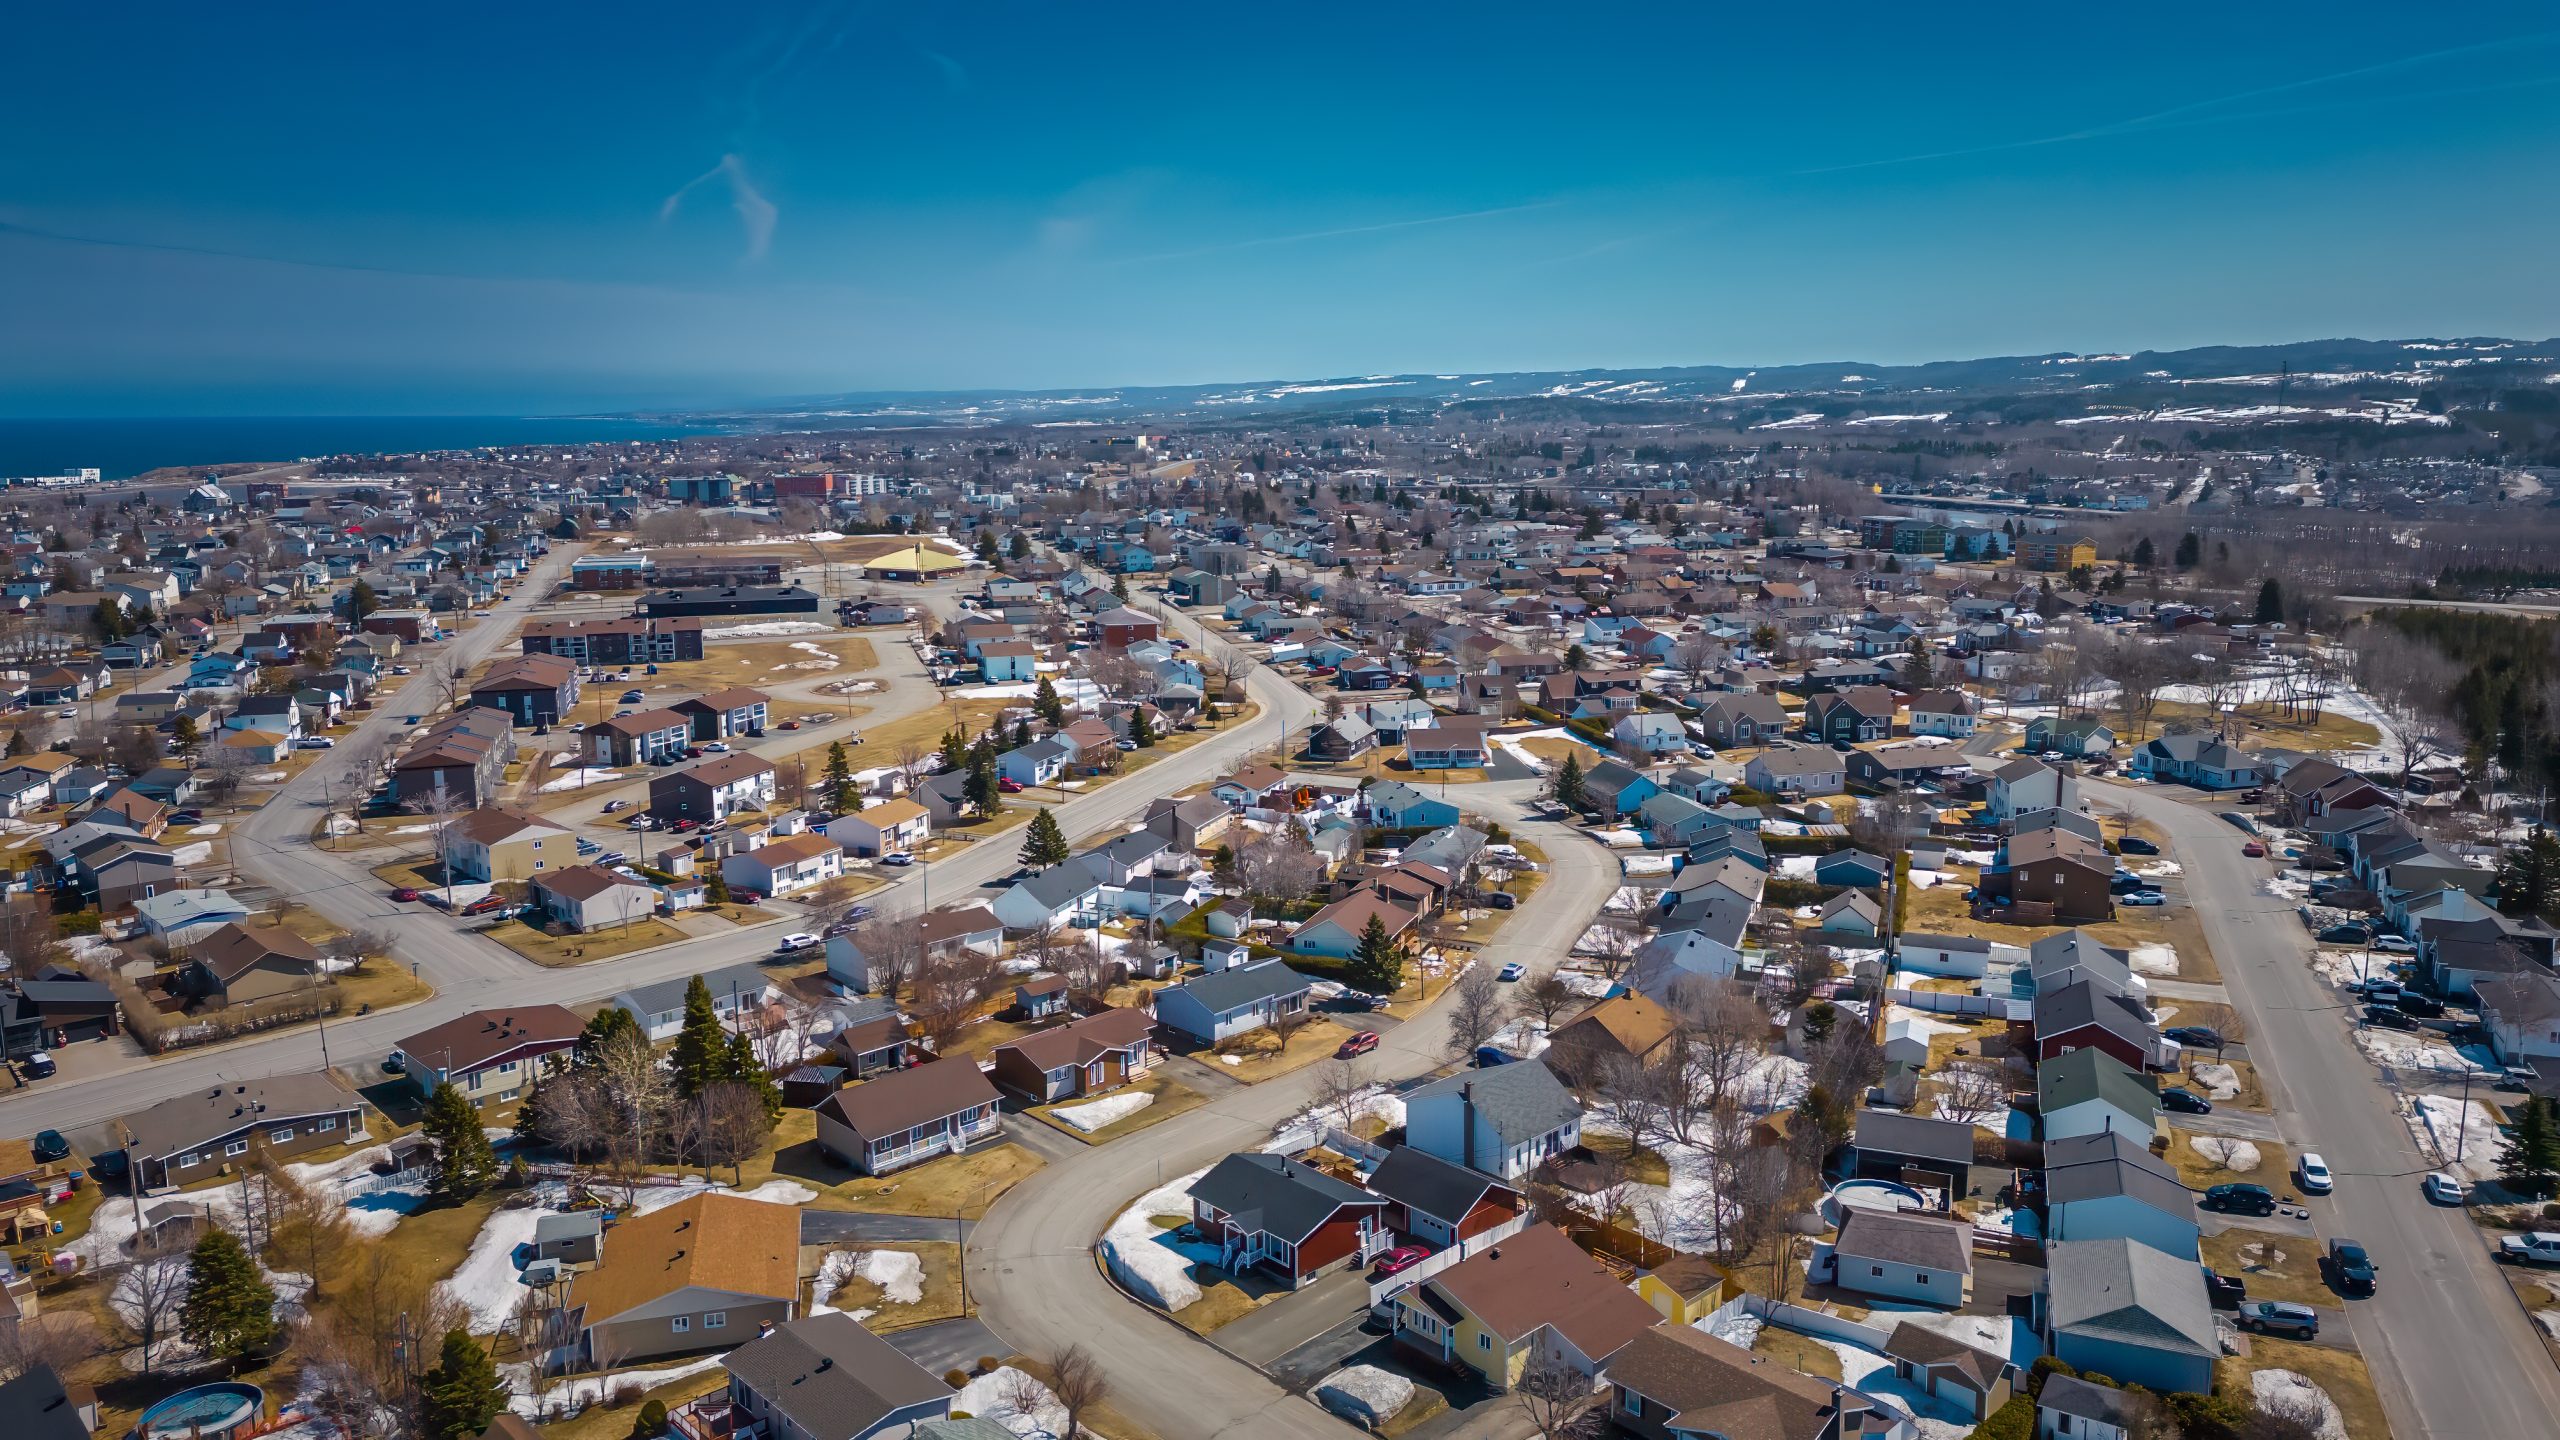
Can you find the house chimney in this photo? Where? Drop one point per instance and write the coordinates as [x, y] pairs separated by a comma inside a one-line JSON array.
[[1467, 1124]]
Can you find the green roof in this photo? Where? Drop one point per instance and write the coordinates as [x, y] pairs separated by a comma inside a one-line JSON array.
[[2088, 1074]]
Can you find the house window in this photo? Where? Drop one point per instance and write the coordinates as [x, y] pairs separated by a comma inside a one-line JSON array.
[[716, 1320], [236, 1147], [2061, 1424], [1923, 1277], [327, 1122], [1483, 1341], [190, 1160], [683, 1323], [1875, 1270], [280, 1134]]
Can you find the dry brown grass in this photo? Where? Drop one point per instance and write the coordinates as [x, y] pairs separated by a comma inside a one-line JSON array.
[[1172, 1098], [559, 950], [1262, 1056], [1801, 1353], [2275, 1266], [961, 1184], [941, 1297], [760, 664], [2273, 1170], [2341, 1373]]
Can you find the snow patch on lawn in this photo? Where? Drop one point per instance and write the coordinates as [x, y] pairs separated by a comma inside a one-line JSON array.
[[898, 1273], [2153, 960], [1921, 1025], [1094, 1114], [1866, 1370], [1013, 1399], [486, 1283], [577, 779], [767, 627], [2405, 1051], [2220, 1082], [2444, 1125], [215, 829], [580, 1391], [1146, 1258], [2229, 1153], [1365, 1394], [2286, 1392]]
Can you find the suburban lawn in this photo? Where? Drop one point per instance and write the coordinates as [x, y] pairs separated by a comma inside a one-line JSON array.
[[1800, 1353], [948, 1184], [1644, 1165], [379, 985], [2275, 1266], [941, 1288], [615, 1421], [2274, 1168], [2252, 1096], [558, 950], [1172, 1098], [759, 664], [1262, 1055], [2264, 724], [2339, 1372], [1225, 1298], [1102, 1419]]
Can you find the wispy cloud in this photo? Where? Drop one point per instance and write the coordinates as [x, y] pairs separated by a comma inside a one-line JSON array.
[[2215, 110], [1338, 232], [756, 214], [954, 74]]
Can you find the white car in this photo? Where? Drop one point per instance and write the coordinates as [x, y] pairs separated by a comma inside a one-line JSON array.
[[2443, 1189], [2314, 1174], [795, 941], [2395, 944]]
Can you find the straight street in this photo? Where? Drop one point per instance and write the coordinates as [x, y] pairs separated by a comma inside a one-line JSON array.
[[2452, 1353]]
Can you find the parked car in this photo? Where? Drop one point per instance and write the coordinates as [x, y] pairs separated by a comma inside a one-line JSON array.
[[2312, 1173], [2349, 934], [2242, 822], [2146, 898], [2199, 1037], [315, 742], [1501, 900], [1359, 1044], [2351, 1268], [796, 940], [2388, 1017], [2442, 1189], [1008, 785], [715, 747], [1512, 971], [405, 893], [1488, 1056], [2240, 1199], [395, 1063], [856, 914], [2515, 1080], [186, 817], [2280, 1317], [611, 806], [2136, 845], [2254, 850], [49, 1145], [2538, 1247], [1399, 1260], [2184, 1101], [39, 1065], [611, 857], [2425, 1007], [2395, 944], [900, 859], [633, 697], [485, 904]]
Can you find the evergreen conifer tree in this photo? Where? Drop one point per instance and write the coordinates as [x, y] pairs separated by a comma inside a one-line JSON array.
[[2270, 601], [1565, 786], [739, 1064], [230, 1310], [982, 792], [461, 1394], [1142, 731], [1044, 700], [1377, 966], [840, 791], [1047, 844], [699, 1058], [2531, 1160], [464, 1162]]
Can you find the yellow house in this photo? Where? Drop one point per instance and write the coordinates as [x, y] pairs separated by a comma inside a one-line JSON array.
[[1534, 1294], [2054, 552], [493, 844], [1684, 1290]]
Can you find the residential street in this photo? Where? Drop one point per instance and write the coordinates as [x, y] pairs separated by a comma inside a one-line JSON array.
[[2451, 1352]]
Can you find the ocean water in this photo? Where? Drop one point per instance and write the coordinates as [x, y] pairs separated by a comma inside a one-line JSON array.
[[123, 447]]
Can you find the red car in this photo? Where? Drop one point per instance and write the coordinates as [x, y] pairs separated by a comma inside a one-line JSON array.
[[1360, 1044], [404, 893], [484, 905], [2254, 850], [1399, 1260], [1008, 785]]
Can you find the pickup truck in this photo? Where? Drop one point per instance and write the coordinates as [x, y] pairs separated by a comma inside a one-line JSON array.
[[2539, 1247]]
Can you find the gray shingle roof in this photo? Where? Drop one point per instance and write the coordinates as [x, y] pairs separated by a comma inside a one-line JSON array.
[[1233, 989], [831, 1377], [1520, 1102], [1422, 1181], [1275, 1194], [1889, 1132], [1900, 1238], [2128, 1292]]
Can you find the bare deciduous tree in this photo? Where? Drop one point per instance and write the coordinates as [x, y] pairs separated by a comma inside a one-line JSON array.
[[947, 991], [1476, 1011], [1611, 947], [1548, 997], [1723, 1032], [1280, 864], [895, 948], [1077, 1379], [1972, 1091], [1342, 1088], [1554, 1395], [147, 1295]]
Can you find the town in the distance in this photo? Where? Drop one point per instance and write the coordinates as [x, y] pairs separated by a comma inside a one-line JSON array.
[[1810, 908]]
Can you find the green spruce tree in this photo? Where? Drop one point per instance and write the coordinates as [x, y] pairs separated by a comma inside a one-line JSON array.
[[2270, 601], [1046, 845], [740, 1066], [230, 1310], [1120, 588], [461, 1394], [700, 1056], [1020, 548], [955, 750], [2530, 1162], [1044, 700], [1575, 657], [1377, 966], [2190, 551], [1142, 731], [464, 1162], [981, 791], [840, 791], [361, 601], [715, 888], [1565, 785], [2529, 876]]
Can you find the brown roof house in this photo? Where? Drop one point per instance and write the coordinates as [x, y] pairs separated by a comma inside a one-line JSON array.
[[237, 964], [909, 1115], [493, 844], [1535, 1294], [1102, 1051], [701, 1274], [1680, 1383], [1622, 1027], [590, 897], [489, 1055]]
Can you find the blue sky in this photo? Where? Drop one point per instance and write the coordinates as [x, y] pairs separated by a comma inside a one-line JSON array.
[[291, 208]]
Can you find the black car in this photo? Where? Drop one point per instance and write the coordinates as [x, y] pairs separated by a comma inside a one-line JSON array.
[[49, 1145], [2388, 1017], [2198, 1037], [1501, 900], [2351, 1269], [2136, 845], [2225, 1292], [2425, 1007], [2343, 935], [2240, 1199], [2185, 1101]]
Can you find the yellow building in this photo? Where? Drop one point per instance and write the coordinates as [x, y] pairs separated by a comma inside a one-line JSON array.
[[2054, 552], [1684, 1290], [1534, 1294]]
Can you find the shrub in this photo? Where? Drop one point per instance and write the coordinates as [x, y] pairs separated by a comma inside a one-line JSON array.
[[2015, 1420], [987, 1364], [652, 1420], [2046, 1365], [955, 1378]]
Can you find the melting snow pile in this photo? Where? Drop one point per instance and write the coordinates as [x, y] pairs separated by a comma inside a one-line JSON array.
[[2153, 960], [2283, 1392], [1146, 1258], [2221, 1082], [1094, 1114], [1365, 1394], [1013, 1399], [2226, 1152]]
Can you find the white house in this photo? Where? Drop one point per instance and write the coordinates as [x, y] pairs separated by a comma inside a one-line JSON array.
[[1958, 957], [1059, 895], [2023, 785], [1899, 1255], [738, 990], [888, 828], [1505, 1121], [1227, 1003], [786, 866], [2521, 1012]]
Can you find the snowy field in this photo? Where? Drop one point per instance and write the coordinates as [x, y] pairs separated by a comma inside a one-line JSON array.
[[1094, 1114], [1145, 1257]]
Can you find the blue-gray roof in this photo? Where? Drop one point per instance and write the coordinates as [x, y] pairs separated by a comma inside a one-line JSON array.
[[1245, 985]]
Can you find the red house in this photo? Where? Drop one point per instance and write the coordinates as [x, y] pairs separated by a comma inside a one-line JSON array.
[[1297, 1221], [2091, 1015], [1438, 1203], [1123, 627]]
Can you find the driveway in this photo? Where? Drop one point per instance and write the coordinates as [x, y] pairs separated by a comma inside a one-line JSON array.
[[1264, 1335], [2450, 1349], [838, 1227], [946, 1344]]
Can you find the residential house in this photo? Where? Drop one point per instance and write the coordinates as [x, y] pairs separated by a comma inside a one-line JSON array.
[[1624, 1028], [1796, 770], [1222, 1005], [714, 789], [1446, 747], [643, 737], [2136, 1315], [1708, 947], [194, 1136], [1395, 805], [823, 1377], [1891, 1145], [2070, 1408], [2079, 737], [738, 996], [1613, 789], [906, 1116], [494, 844], [1438, 1203], [2025, 785], [1505, 1121], [1742, 719], [1678, 1382], [1038, 763], [1090, 1055], [239, 964], [587, 898], [1960, 957], [1535, 1295], [1950, 713], [2056, 867], [534, 689], [489, 1055], [701, 1274], [1654, 733], [725, 714], [892, 827], [2522, 1015], [1060, 895], [1855, 713], [178, 918], [786, 866], [2197, 759], [1901, 1255], [457, 761], [2107, 1185], [1336, 930], [1272, 1212], [2090, 1092], [1938, 1364], [41, 1405]]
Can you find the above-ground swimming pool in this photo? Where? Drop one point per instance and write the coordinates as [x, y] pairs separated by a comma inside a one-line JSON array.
[[216, 1412], [1870, 1195]]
